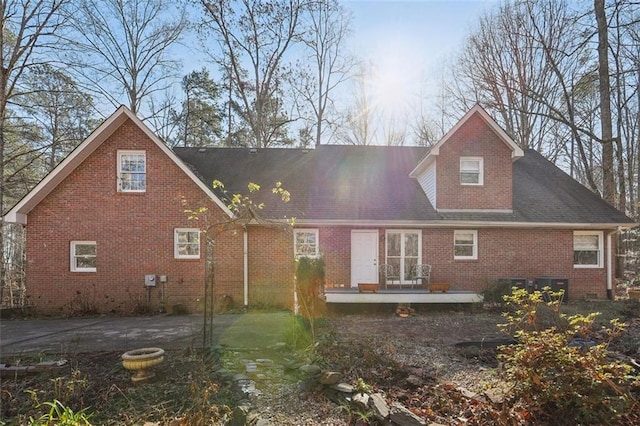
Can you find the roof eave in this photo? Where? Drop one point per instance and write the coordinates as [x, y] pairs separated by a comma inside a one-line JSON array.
[[460, 223]]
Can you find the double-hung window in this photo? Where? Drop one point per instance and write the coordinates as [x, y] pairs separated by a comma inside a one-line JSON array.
[[305, 243], [465, 245], [471, 171], [83, 256], [587, 249], [186, 243], [132, 171], [404, 251]]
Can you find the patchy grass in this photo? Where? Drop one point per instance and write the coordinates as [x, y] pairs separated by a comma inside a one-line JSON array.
[[256, 330]]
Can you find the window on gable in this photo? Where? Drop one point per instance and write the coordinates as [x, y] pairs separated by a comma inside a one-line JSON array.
[[83, 256], [471, 171], [305, 243], [465, 245], [186, 243], [587, 249], [132, 171]]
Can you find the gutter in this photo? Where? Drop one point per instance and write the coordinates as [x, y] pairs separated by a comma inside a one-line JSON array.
[[456, 224], [610, 265]]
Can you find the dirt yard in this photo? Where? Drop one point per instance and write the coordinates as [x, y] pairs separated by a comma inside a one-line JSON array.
[[400, 358]]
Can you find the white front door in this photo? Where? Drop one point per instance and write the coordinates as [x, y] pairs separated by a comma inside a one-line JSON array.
[[364, 256]]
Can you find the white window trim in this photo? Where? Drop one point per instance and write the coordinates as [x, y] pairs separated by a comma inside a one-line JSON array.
[[295, 241], [402, 232], [600, 236], [480, 161], [176, 252], [474, 256], [72, 253], [122, 152]]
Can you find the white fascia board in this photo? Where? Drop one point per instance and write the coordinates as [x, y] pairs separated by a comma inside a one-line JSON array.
[[499, 211], [516, 151], [460, 224], [18, 214]]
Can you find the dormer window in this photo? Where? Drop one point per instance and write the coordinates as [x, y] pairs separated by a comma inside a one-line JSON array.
[[132, 171], [471, 171]]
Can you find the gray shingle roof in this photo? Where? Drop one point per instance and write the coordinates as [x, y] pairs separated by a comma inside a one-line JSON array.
[[372, 183], [544, 193]]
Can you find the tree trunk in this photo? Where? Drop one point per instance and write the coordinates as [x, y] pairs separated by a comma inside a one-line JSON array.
[[608, 183]]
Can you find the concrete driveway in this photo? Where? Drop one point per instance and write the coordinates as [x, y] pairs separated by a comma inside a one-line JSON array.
[[75, 335], [102, 333]]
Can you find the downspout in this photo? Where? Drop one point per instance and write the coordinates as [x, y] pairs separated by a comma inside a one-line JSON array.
[[610, 265], [245, 266]]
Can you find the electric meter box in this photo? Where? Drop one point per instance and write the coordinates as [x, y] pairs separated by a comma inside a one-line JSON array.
[[150, 280]]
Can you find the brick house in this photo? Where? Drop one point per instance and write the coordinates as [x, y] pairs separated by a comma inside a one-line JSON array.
[[107, 229]]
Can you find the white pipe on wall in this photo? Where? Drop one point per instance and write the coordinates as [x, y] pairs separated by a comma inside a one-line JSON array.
[[610, 255], [245, 266]]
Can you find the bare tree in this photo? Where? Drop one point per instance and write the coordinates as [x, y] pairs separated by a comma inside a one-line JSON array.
[[28, 30], [121, 47], [327, 66], [608, 185], [361, 121], [532, 64], [556, 33], [499, 67], [626, 105], [57, 107], [255, 37]]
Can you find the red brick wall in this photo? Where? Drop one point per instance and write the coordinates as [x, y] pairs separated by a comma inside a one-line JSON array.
[[502, 253], [134, 235], [335, 245], [271, 267], [512, 253], [474, 139]]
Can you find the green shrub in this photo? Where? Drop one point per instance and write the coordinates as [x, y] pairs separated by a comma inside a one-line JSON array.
[[560, 369], [310, 281], [494, 292], [297, 336]]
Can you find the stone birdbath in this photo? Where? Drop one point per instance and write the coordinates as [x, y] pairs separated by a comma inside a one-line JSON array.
[[140, 360]]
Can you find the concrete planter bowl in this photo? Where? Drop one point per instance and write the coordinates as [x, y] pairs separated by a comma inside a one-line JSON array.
[[140, 361]]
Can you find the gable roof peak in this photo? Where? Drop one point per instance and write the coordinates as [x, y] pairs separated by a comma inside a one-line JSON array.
[[516, 151], [19, 212]]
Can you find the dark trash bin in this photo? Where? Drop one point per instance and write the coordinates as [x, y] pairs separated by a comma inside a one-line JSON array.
[[556, 284], [515, 282]]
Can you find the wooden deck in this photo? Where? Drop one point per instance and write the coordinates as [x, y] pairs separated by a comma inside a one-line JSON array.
[[418, 295]]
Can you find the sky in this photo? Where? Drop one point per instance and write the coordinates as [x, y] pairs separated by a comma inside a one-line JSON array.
[[407, 41]]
